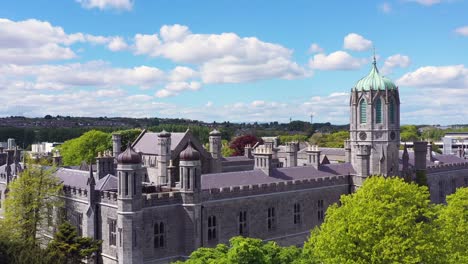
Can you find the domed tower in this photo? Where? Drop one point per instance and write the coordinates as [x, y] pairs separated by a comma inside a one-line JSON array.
[[374, 126], [190, 169], [129, 202]]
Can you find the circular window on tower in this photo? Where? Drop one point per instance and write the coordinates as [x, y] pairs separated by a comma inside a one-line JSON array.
[[392, 135], [362, 135]]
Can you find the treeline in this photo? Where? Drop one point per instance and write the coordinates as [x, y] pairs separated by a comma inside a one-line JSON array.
[[387, 220]]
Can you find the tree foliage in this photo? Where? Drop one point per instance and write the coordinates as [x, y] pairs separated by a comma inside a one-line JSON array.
[[385, 221], [293, 138], [453, 226], [243, 250], [69, 248], [238, 144], [28, 200], [333, 140], [85, 147], [409, 133]]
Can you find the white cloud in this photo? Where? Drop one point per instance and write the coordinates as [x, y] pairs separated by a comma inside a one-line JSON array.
[[426, 2], [174, 88], [107, 4], [394, 61], [385, 7], [356, 42], [315, 48], [462, 31], [338, 60], [222, 57], [33, 41], [117, 44], [209, 104], [453, 76]]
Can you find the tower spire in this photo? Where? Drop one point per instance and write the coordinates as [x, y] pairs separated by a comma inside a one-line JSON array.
[[375, 61]]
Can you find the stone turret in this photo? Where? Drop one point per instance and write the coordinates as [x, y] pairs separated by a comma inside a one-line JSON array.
[[263, 159], [313, 156], [215, 151], [291, 154], [92, 200], [129, 202], [116, 144], [171, 173], [190, 169], [164, 148]]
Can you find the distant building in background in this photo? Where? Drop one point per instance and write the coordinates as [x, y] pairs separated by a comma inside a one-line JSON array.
[[44, 147]]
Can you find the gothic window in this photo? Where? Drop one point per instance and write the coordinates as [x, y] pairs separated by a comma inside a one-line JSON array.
[[271, 219], [211, 228], [320, 211], [297, 213], [159, 235], [362, 111], [120, 183], [242, 222], [134, 182], [112, 232], [454, 186], [391, 111], [378, 111], [188, 177]]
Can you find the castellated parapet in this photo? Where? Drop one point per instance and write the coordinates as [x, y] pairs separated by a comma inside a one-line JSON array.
[[274, 187]]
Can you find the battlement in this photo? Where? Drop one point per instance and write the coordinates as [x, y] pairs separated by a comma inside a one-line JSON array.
[[447, 167], [75, 192], [274, 187], [108, 197], [161, 198]]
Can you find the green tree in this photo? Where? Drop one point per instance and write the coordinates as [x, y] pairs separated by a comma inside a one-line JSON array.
[[409, 133], [128, 136], [69, 248], [333, 140], [386, 221], [85, 147], [453, 226], [28, 200], [292, 138]]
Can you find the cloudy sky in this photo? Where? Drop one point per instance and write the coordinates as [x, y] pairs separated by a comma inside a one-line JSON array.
[[238, 61]]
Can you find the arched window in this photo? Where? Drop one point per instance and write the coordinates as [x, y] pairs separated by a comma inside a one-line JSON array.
[[391, 111], [211, 228], [378, 111], [362, 111]]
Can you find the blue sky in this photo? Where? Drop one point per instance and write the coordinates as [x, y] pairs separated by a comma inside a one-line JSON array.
[[238, 61]]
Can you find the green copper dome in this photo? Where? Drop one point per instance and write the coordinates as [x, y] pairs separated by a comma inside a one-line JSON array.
[[374, 81]]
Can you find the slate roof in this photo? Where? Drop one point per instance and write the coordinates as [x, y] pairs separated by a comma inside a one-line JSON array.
[[147, 143], [442, 158], [77, 178], [227, 179], [107, 183]]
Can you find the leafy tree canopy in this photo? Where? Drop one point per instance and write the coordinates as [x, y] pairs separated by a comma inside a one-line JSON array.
[[238, 144], [333, 140], [85, 147], [453, 226], [386, 221], [409, 133]]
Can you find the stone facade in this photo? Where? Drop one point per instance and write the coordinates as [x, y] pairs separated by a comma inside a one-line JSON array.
[[166, 196]]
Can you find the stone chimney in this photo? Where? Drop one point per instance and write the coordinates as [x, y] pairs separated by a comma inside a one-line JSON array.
[[291, 154], [104, 164], [347, 148], [313, 156], [429, 152], [420, 155], [248, 151], [263, 159], [215, 150], [116, 144], [460, 152], [171, 172], [57, 159]]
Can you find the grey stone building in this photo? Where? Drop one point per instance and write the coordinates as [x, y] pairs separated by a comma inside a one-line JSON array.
[[165, 195]]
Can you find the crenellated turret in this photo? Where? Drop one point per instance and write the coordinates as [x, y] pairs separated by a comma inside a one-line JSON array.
[[164, 149], [263, 159]]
